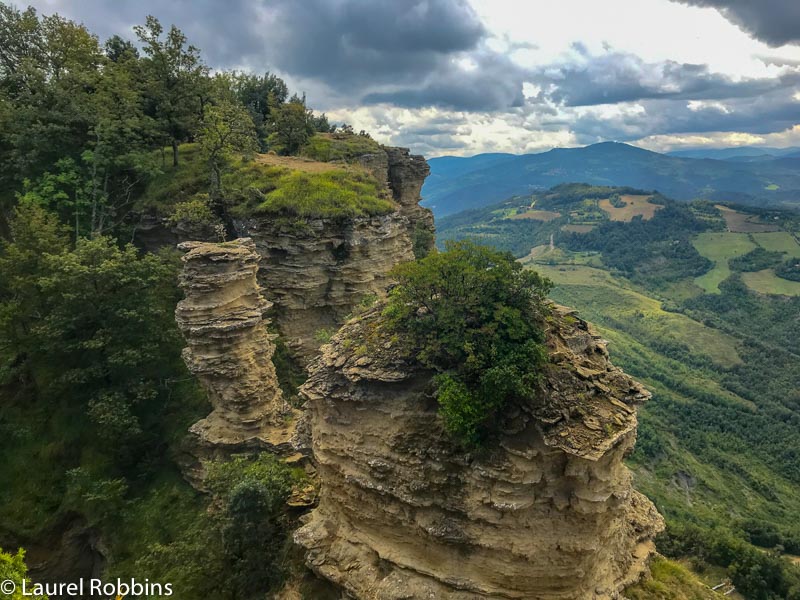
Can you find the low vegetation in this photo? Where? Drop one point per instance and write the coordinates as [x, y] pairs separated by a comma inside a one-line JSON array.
[[627, 206], [720, 248], [738, 221], [670, 580], [341, 146], [13, 569], [290, 189], [333, 194]]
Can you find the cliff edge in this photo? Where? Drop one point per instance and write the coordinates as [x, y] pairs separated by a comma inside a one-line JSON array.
[[317, 274], [546, 511]]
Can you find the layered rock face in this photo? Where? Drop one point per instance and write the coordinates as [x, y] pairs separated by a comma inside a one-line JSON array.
[[316, 275], [547, 511], [229, 349], [407, 173]]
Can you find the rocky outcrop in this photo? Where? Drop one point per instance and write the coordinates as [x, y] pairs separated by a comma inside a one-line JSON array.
[[230, 350], [316, 275], [407, 173], [547, 511], [318, 272]]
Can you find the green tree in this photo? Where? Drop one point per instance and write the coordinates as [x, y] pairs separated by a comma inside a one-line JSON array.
[[177, 79], [239, 547], [35, 234], [50, 68], [292, 126], [254, 530], [259, 94], [117, 160], [227, 130], [92, 325], [474, 315]]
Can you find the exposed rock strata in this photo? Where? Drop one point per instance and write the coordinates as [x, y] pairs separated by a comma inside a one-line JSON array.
[[548, 512], [407, 174], [316, 275], [230, 350]]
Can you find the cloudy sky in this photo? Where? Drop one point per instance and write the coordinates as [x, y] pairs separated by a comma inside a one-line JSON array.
[[469, 76]]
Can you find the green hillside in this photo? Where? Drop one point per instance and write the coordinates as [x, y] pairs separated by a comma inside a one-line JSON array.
[[718, 443]]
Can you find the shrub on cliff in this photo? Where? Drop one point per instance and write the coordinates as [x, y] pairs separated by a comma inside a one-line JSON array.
[[14, 570], [473, 315]]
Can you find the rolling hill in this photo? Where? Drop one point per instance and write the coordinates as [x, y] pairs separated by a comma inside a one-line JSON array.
[[689, 298], [458, 184]]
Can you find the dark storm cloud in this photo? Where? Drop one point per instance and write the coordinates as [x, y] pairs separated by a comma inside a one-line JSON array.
[[409, 53], [363, 42], [774, 22], [616, 77], [490, 83], [308, 37], [228, 33]]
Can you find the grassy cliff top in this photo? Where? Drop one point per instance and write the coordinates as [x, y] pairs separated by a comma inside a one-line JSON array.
[[328, 147], [292, 187]]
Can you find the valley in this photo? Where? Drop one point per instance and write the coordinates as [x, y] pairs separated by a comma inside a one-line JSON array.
[[690, 308]]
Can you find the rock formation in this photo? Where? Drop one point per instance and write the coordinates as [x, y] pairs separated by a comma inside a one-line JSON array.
[[317, 275], [546, 512], [407, 173], [229, 348], [316, 278]]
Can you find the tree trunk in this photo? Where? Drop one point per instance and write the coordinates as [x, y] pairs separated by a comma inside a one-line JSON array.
[[174, 152], [216, 182]]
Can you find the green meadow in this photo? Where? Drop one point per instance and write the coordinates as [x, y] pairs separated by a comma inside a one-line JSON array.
[[720, 247]]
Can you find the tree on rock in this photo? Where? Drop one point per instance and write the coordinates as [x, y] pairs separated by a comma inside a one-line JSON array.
[[474, 315], [227, 130]]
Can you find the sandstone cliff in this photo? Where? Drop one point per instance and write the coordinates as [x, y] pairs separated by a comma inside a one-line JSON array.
[[316, 275], [229, 349], [547, 512]]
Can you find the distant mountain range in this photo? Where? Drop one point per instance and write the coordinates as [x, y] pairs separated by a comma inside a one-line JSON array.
[[738, 153], [755, 176]]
